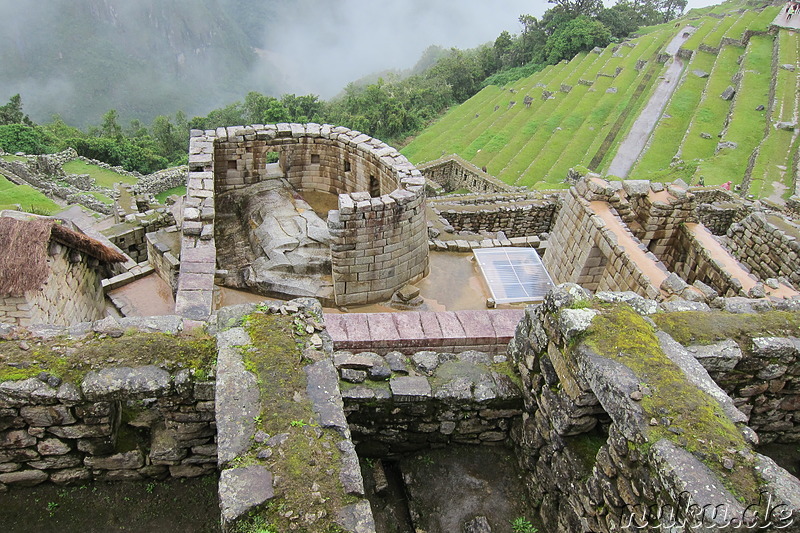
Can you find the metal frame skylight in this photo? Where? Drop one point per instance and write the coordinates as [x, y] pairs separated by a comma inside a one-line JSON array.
[[514, 274]]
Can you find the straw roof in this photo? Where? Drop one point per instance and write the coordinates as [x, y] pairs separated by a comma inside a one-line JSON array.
[[24, 250]]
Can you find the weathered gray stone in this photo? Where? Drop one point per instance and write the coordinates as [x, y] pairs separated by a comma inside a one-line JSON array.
[[410, 388], [126, 383], [53, 447], [68, 476], [479, 524], [573, 322], [426, 362], [119, 461], [242, 489], [350, 471], [673, 284], [322, 386], [164, 446], [686, 473], [153, 324], [356, 518], [42, 416], [728, 93], [720, 356], [31, 390], [16, 438], [397, 362], [353, 376], [23, 478], [55, 462], [238, 402]]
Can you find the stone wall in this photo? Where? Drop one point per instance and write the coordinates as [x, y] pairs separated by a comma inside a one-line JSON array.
[[397, 404], [162, 180], [130, 236], [694, 262], [584, 249], [115, 424], [163, 258], [514, 216], [604, 446], [379, 231], [454, 173], [763, 379], [771, 249], [719, 217], [71, 272]]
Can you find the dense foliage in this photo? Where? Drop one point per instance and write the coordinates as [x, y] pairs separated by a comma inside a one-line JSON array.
[[390, 108]]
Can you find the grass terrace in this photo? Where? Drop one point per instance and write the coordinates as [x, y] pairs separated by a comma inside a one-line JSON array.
[[746, 127], [103, 177], [26, 197]]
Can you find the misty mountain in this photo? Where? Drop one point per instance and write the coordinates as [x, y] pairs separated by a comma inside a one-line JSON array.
[[142, 57], [80, 58]]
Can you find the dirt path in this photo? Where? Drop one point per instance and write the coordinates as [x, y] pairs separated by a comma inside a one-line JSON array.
[[630, 149]]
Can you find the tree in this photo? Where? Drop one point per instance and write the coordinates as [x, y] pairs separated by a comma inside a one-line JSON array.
[[579, 7], [110, 127], [24, 138], [622, 19], [579, 34], [11, 113]]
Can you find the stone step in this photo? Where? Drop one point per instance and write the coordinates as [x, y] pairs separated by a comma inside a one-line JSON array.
[[453, 331]]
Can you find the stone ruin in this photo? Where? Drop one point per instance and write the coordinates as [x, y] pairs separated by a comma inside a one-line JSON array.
[[377, 236], [600, 441]]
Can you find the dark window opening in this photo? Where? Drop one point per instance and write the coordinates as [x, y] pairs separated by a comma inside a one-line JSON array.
[[374, 187], [347, 166], [315, 159], [231, 165]]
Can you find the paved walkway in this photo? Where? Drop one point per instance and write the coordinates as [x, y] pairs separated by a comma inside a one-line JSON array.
[[630, 149], [409, 332], [782, 22]]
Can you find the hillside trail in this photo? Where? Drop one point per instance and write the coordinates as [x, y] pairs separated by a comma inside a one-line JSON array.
[[782, 21], [630, 149]]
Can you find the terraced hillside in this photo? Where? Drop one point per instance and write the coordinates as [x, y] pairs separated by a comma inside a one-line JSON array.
[[578, 113]]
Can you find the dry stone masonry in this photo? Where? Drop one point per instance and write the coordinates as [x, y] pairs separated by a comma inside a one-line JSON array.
[[379, 240], [609, 442]]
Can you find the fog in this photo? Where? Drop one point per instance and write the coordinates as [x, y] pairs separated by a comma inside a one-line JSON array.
[[79, 58], [322, 46]]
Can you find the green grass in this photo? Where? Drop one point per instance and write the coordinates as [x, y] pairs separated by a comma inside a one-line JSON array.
[[28, 198], [310, 454], [10, 157], [746, 127], [704, 26], [72, 360], [180, 190], [712, 110], [101, 176], [714, 37], [737, 29]]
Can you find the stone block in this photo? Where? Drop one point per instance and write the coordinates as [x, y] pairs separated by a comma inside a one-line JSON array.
[[410, 388]]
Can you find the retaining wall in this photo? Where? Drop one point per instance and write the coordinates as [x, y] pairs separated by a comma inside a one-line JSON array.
[[769, 250], [397, 404], [602, 447]]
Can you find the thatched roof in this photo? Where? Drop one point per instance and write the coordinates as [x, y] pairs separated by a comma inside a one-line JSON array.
[[24, 249]]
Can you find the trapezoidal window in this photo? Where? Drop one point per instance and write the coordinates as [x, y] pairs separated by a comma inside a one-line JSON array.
[[315, 159], [374, 187], [346, 165]]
